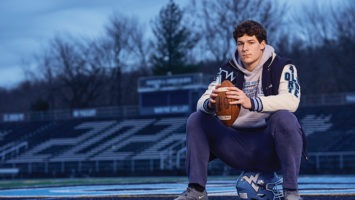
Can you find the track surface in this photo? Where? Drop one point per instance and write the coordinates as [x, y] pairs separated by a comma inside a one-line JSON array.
[[311, 187]]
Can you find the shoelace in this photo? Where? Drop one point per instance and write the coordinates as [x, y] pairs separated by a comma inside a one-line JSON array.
[[187, 191]]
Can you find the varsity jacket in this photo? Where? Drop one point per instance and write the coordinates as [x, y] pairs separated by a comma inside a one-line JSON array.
[[279, 83]]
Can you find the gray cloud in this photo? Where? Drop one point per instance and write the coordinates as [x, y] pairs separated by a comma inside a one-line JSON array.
[[27, 26]]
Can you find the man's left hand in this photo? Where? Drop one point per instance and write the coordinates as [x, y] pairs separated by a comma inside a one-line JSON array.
[[239, 96]]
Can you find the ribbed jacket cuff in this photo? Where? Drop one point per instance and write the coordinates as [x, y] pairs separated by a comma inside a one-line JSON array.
[[206, 108], [256, 104]]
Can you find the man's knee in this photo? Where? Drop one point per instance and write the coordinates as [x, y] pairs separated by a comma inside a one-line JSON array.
[[198, 118], [285, 120], [192, 119]]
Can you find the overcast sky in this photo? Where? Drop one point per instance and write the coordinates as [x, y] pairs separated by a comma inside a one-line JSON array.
[[26, 26]]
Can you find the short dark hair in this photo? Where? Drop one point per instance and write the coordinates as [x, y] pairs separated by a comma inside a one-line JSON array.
[[250, 28]]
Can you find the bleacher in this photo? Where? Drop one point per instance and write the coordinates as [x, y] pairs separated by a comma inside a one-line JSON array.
[[73, 144], [328, 128], [330, 134], [13, 136], [142, 145]]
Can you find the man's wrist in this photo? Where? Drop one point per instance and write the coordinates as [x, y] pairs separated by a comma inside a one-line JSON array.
[[207, 106], [210, 105]]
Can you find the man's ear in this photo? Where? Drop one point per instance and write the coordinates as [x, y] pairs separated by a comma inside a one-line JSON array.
[[263, 45]]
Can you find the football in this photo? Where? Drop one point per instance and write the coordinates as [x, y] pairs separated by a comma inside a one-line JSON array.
[[226, 112]]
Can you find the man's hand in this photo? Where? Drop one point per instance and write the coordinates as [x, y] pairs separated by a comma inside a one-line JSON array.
[[212, 100], [239, 96]]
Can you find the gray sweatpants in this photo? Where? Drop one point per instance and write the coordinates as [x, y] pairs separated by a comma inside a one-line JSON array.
[[278, 146]]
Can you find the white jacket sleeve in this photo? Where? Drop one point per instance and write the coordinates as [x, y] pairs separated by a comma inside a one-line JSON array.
[[288, 97], [203, 101]]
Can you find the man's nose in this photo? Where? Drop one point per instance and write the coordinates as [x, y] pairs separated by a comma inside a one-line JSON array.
[[245, 47]]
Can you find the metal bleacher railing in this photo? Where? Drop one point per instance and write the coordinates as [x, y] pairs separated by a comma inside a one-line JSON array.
[[333, 160], [133, 111], [106, 112], [328, 99]]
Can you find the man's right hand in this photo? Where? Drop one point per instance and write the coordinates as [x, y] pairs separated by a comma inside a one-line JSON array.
[[213, 95]]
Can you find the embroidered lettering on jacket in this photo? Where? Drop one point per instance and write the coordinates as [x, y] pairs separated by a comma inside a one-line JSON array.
[[226, 74], [293, 86]]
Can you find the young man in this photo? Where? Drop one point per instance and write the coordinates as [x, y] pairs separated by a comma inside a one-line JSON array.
[[266, 136]]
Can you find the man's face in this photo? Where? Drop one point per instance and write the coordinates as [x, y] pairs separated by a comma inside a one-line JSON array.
[[250, 50]]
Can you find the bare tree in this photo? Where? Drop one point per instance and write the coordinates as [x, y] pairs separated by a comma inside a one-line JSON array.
[[125, 49], [341, 51], [324, 21], [314, 25], [344, 17], [24, 97], [326, 39], [88, 72], [68, 70], [219, 18], [140, 48]]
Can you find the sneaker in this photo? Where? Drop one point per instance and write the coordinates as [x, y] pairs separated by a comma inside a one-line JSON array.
[[292, 195], [192, 194]]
